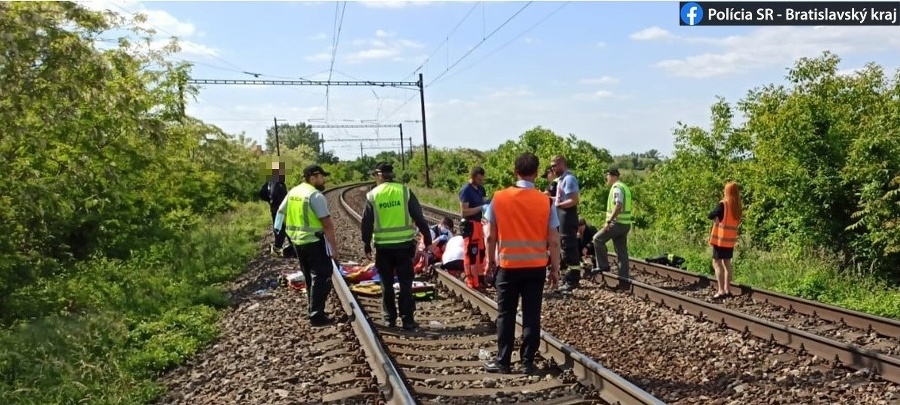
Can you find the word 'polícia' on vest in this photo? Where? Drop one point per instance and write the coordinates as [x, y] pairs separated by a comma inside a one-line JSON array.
[[389, 204]]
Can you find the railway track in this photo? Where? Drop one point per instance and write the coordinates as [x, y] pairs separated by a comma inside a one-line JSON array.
[[845, 338], [439, 362]]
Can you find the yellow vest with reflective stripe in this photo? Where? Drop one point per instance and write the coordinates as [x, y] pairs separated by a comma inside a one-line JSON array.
[[624, 217], [393, 225], [301, 223]]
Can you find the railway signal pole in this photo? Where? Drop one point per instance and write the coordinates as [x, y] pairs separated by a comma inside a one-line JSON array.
[[420, 85]]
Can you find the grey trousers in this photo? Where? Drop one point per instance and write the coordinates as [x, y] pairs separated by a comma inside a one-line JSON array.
[[618, 233]]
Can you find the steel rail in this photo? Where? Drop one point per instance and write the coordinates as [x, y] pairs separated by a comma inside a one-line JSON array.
[[392, 383], [610, 386], [842, 354], [872, 323]]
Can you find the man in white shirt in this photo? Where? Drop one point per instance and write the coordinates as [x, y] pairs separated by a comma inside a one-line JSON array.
[[452, 259]]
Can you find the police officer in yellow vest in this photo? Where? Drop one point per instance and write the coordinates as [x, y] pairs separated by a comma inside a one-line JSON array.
[[618, 224], [308, 223], [392, 215]]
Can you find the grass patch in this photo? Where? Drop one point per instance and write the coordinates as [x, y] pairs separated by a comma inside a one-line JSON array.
[[817, 278], [135, 319], [437, 198]]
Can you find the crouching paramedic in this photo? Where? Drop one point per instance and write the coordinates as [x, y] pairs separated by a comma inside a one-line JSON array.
[[524, 227], [471, 198], [392, 215]]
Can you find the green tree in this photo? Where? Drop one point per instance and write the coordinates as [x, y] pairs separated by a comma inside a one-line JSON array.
[[96, 156], [291, 136]]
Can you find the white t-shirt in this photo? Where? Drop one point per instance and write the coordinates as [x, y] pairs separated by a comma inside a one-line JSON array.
[[453, 250]]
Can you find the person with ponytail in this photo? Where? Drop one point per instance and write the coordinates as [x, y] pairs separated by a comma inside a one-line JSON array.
[[723, 237]]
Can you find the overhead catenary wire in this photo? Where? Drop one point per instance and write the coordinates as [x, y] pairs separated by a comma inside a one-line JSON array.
[[476, 46], [336, 38], [498, 49], [445, 41]]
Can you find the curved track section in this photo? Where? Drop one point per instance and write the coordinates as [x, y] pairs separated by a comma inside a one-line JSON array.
[[441, 362]]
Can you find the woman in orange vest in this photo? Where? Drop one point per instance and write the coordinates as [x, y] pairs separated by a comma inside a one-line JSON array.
[[723, 236]]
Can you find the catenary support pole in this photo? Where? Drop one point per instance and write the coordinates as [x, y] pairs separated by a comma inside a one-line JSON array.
[[424, 133]]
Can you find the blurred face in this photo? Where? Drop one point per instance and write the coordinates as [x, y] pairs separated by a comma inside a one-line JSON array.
[[581, 229], [557, 167], [318, 181], [610, 179], [478, 180]]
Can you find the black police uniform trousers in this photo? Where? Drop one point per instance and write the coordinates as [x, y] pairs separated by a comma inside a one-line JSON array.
[[527, 283], [280, 234], [568, 230], [317, 268], [391, 260]]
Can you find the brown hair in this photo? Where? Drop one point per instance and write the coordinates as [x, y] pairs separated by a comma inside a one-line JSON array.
[[733, 199]]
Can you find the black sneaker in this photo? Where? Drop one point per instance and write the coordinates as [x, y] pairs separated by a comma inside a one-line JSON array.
[[495, 367], [529, 368], [321, 321], [410, 325]]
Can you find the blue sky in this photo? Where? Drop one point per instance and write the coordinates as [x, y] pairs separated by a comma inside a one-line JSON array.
[[618, 74]]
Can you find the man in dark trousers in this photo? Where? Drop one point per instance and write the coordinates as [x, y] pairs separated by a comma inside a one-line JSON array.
[[522, 230], [274, 192], [567, 199], [307, 221], [618, 225], [471, 198], [585, 235], [392, 216]]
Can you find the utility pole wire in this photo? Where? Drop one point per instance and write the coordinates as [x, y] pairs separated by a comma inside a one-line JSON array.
[[480, 43], [336, 38], [463, 57], [498, 49], [442, 43]]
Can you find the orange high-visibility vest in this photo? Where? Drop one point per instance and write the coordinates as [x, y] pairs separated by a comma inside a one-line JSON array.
[[724, 233], [522, 228]]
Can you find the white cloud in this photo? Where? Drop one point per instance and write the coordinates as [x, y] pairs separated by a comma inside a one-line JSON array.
[[164, 24], [318, 37], [594, 96], [601, 44], [650, 34], [319, 57], [393, 4], [532, 41], [770, 46], [510, 92], [382, 46], [600, 80]]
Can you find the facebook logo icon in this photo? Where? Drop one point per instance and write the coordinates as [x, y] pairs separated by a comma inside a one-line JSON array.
[[691, 14]]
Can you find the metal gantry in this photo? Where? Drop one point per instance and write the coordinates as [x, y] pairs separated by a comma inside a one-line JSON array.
[[419, 85]]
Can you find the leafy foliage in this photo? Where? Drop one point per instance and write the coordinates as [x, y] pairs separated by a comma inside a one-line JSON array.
[[97, 159], [104, 278], [817, 163]]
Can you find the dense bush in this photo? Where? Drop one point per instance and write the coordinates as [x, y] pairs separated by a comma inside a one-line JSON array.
[[97, 160]]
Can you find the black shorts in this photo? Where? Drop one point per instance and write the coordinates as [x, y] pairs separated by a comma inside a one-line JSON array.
[[722, 253], [455, 265]]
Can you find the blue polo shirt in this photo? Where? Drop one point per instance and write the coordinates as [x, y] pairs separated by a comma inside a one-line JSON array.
[[474, 195]]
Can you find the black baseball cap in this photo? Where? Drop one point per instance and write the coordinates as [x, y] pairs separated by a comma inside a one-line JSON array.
[[313, 170], [383, 167], [613, 171]]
